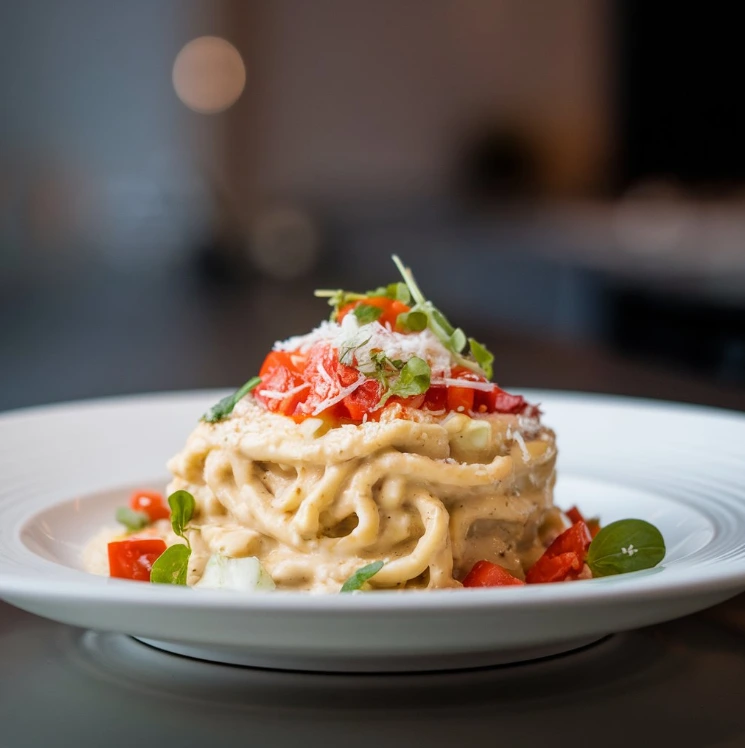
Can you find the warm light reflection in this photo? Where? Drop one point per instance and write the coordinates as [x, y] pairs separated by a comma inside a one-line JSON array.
[[209, 75]]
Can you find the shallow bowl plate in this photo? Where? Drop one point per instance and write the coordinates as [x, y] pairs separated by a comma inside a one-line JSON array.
[[66, 468]]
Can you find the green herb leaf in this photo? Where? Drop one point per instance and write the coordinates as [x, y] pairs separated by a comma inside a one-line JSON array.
[[458, 340], [624, 546], [399, 292], [484, 357], [413, 379], [171, 566], [412, 321], [361, 576], [131, 519], [225, 407], [182, 510], [367, 313]]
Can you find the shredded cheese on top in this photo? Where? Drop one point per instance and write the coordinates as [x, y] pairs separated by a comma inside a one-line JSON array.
[[356, 343]]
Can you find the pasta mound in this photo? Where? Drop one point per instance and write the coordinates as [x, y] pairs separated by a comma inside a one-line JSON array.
[[427, 495]]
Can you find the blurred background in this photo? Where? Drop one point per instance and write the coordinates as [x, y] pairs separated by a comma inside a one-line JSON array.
[[567, 180]]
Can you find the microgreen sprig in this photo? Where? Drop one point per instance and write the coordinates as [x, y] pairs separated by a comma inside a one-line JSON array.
[[224, 407], [361, 577], [453, 338], [172, 565]]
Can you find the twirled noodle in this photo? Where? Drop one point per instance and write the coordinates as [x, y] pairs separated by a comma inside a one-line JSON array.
[[421, 494]]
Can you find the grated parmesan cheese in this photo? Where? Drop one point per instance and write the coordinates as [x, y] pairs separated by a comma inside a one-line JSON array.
[[363, 340], [277, 395]]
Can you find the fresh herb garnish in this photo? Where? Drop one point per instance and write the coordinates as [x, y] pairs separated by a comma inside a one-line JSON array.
[[367, 313], [345, 356], [453, 338], [171, 566], [412, 321], [131, 519], [225, 407], [624, 546], [338, 298], [182, 510], [413, 379], [361, 576], [484, 357]]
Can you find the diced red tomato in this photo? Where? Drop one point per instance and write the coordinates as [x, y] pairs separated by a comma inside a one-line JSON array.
[[486, 574], [363, 400], [326, 376], [576, 539], [593, 524], [460, 399], [276, 359], [499, 401], [436, 398], [151, 503], [575, 515], [554, 568], [282, 379], [390, 309], [133, 559], [564, 558]]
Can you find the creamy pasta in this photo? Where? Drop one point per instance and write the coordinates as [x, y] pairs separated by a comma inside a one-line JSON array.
[[423, 495]]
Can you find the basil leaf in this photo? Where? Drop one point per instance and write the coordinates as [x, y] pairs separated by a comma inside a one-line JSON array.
[[367, 313], [131, 519], [182, 510], [624, 546], [225, 407], [361, 576], [413, 321], [171, 566], [484, 357]]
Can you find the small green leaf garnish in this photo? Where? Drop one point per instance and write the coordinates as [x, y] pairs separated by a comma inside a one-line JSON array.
[[366, 313], [345, 355], [484, 357], [131, 519], [413, 379], [360, 577], [182, 510], [453, 338], [412, 321], [171, 566], [624, 546], [225, 407]]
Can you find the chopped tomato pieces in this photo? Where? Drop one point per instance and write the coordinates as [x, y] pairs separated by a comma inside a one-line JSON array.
[[363, 400], [460, 399], [151, 503], [486, 574], [499, 401], [575, 515], [564, 558], [282, 379], [133, 559], [436, 398], [554, 568], [277, 359], [389, 309], [576, 539]]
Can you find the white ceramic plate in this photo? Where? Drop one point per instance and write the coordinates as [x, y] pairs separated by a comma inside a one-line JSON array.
[[65, 468]]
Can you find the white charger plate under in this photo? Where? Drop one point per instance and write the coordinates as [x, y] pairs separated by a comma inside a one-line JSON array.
[[66, 468]]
